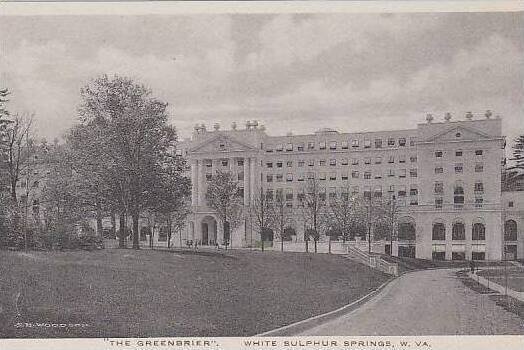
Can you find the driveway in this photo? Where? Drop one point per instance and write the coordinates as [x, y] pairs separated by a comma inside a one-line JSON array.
[[430, 302]]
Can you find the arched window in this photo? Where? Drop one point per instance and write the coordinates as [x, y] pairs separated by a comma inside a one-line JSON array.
[[478, 232], [458, 195], [510, 230], [458, 232], [439, 232], [406, 231]]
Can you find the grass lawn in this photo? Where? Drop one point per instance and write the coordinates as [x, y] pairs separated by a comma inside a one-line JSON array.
[[515, 277], [126, 293]]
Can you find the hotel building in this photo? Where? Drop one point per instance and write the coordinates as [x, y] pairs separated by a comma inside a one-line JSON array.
[[445, 177]]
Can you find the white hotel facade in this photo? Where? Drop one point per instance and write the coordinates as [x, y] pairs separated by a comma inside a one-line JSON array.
[[444, 175]]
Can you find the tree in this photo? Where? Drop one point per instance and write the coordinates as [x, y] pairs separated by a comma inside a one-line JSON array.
[[282, 214], [313, 203], [128, 127], [223, 196], [518, 152], [261, 213], [344, 214]]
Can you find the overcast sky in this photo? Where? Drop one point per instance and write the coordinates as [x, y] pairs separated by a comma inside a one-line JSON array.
[[352, 72]]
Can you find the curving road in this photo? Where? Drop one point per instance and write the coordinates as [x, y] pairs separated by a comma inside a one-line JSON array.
[[431, 302]]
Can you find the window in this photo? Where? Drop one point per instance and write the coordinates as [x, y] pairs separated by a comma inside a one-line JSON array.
[[378, 143], [208, 163], [240, 176], [438, 202], [289, 194], [354, 143], [478, 232], [333, 176], [438, 154], [391, 159], [510, 204], [332, 162], [209, 177], [269, 178], [333, 145], [222, 146], [510, 230], [344, 161], [279, 164], [439, 169], [344, 176], [413, 191], [459, 167], [322, 162], [402, 159], [458, 153], [322, 145], [378, 175], [367, 160], [279, 147], [332, 193], [289, 163], [478, 202], [280, 177], [354, 190], [439, 188], [269, 164], [367, 143], [413, 173], [301, 163], [402, 191], [479, 187], [322, 176], [367, 192], [310, 145], [355, 174], [289, 147], [240, 162], [439, 232], [391, 172], [354, 161], [478, 152], [300, 147], [391, 188], [269, 195], [240, 192], [402, 173], [412, 141], [413, 159], [458, 232], [402, 142], [289, 177], [311, 162], [479, 167], [458, 195], [344, 145], [378, 192], [300, 177], [310, 176], [413, 201], [224, 162], [367, 175], [378, 160], [391, 142]]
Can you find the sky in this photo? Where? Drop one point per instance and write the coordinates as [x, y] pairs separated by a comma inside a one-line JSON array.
[[292, 73]]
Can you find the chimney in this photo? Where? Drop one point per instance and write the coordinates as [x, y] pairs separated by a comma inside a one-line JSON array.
[[488, 114], [216, 126], [234, 125], [429, 118], [469, 115], [447, 117]]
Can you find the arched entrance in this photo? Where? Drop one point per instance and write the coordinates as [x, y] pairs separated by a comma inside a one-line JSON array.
[[406, 237], [208, 230]]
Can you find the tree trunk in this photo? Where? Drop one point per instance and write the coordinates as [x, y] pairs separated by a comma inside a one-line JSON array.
[[113, 224], [99, 226], [262, 243], [122, 234], [136, 244], [315, 245], [169, 232], [281, 244], [329, 245], [307, 246]]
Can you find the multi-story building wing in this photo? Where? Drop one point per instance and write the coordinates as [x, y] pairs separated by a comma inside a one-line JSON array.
[[444, 177]]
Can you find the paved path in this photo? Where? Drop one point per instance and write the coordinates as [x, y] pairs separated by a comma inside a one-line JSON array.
[[431, 302]]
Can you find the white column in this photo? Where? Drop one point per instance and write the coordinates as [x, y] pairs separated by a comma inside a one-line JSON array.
[[201, 186], [194, 183], [246, 181], [252, 178]]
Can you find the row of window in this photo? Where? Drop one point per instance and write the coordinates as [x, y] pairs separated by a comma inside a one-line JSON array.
[[458, 153], [343, 161], [355, 174], [459, 168], [458, 188], [334, 145], [458, 232]]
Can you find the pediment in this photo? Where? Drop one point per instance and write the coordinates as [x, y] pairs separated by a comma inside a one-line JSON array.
[[221, 143], [458, 133]]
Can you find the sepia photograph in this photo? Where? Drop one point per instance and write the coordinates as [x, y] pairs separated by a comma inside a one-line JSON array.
[[187, 176]]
